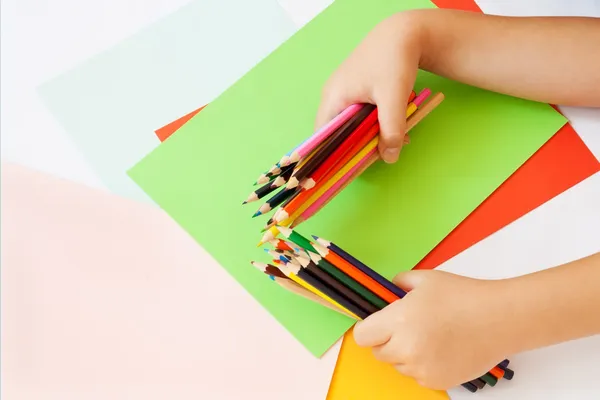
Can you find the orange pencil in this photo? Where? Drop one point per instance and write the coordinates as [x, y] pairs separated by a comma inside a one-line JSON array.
[[497, 372], [352, 271], [282, 245]]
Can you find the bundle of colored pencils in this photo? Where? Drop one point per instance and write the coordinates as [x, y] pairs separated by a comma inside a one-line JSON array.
[[312, 174], [323, 272]]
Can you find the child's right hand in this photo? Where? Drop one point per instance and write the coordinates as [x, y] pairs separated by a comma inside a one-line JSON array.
[[380, 71]]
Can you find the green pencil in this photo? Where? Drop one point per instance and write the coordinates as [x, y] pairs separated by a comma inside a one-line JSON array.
[[296, 238]]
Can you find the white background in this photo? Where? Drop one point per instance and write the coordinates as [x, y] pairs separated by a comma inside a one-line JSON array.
[[41, 38]]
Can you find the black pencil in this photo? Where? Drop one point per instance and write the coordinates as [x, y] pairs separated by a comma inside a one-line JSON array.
[[470, 387], [274, 201]]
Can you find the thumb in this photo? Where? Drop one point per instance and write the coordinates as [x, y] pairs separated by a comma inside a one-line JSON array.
[[409, 280], [392, 123]]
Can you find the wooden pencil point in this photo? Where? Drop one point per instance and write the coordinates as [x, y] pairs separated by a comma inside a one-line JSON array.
[[320, 249], [284, 230]]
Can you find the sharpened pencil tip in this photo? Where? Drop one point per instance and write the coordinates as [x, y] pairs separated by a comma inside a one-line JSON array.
[[315, 237], [245, 202], [260, 243], [256, 214]]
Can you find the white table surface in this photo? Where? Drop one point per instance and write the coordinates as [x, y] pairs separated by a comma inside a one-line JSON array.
[[41, 38]]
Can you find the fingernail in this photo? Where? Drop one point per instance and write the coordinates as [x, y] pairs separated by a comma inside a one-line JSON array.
[[391, 155]]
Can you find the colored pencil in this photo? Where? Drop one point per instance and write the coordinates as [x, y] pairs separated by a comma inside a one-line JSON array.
[[508, 373], [497, 372], [268, 176], [277, 256], [285, 211], [282, 244], [333, 191], [298, 289], [269, 186], [282, 177], [336, 285], [365, 114], [320, 135], [289, 272], [351, 283], [470, 387], [362, 134], [275, 201], [361, 157], [340, 143], [489, 379], [358, 276], [270, 234], [296, 271], [269, 269], [411, 96], [297, 238], [478, 382], [321, 201], [364, 130], [424, 110], [360, 265], [411, 123]]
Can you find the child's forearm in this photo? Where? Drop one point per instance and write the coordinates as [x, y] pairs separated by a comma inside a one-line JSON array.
[[549, 59], [550, 306]]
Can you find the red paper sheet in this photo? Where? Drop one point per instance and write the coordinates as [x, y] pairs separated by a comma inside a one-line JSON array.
[[560, 164]]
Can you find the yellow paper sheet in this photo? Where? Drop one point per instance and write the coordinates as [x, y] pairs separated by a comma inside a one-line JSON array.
[[360, 376]]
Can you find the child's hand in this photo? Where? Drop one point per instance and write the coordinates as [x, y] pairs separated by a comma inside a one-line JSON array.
[[442, 333], [380, 71]]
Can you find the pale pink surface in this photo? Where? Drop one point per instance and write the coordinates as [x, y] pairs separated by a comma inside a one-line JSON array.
[[106, 298], [327, 129], [331, 191]]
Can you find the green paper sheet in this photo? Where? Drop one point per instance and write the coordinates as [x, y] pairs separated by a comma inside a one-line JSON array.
[[390, 217]]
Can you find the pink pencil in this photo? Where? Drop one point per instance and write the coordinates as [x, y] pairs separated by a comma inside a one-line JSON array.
[[421, 97], [363, 164], [319, 136]]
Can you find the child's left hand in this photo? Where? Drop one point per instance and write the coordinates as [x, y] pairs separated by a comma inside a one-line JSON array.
[[442, 333]]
